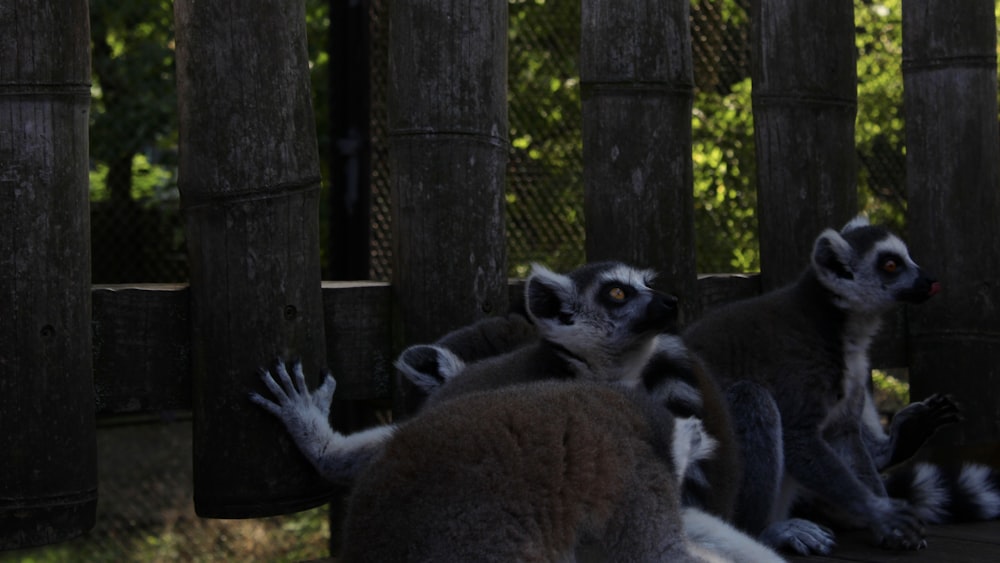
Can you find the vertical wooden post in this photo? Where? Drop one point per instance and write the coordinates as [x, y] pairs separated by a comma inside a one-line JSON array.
[[447, 151], [636, 73], [804, 106], [953, 187], [249, 180], [48, 447]]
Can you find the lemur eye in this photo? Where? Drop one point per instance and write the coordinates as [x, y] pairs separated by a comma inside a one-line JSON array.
[[616, 294], [890, 266]]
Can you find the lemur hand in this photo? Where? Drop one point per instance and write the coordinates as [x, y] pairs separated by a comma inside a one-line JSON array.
[[304, 414]]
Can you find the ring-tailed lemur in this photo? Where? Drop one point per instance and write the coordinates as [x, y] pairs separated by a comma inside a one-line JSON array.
[[598, 323], [601, 322], [794, 364], [524, 472]]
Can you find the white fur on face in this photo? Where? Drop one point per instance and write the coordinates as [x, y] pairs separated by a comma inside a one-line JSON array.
[[866, 292], [628, 276]]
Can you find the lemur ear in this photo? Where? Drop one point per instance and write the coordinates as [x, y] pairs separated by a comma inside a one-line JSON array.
[[833, 257], [545, 295], [428, 367], [859, 221]]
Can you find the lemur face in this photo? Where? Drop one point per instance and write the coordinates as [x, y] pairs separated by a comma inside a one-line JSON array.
[[869, 269], [605, 306]]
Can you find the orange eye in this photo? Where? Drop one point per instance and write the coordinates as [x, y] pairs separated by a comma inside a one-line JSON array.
[[617, 294], [889, 266]]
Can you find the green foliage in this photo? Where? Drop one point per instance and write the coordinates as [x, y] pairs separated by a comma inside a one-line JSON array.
[[151, 184], [879, 128], [134, 95], [724, 181], [545, 187], [295, 537], [891, 393]]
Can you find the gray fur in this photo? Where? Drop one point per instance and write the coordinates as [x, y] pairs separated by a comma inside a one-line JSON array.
[[581, 339], [524, 472], [805, 348], [306, 415], [587, 331], [583, 333]]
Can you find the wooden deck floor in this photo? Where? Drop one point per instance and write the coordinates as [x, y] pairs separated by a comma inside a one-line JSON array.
[[959, 543]]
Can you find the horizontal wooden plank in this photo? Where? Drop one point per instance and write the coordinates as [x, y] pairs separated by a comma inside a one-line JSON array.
[[142, 344], [141, 338], [142, 348]]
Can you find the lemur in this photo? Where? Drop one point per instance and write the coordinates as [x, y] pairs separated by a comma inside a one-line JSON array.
[[524, 473], [794, 366], [571, 315], [601, 322]]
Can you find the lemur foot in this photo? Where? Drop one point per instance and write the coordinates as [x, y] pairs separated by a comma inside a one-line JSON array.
[[916, 422], [898, 527], [801, 536]]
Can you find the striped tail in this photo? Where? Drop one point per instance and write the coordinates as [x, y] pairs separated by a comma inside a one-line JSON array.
[[966, 493]]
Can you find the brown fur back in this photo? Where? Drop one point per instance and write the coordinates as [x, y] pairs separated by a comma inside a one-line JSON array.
[[520, 474]]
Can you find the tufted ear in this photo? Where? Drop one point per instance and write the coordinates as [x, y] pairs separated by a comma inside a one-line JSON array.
[[833, 257], [859, 221], [428, 367], [548, 296]]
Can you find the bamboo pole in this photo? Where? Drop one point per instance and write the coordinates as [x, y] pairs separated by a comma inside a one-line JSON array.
[[636, 74], [804, 107], [448, 152], [952, 174], [48, 472], [249, 181]]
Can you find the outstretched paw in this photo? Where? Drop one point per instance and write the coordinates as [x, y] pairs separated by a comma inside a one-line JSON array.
[[801, 536], [297, 408]]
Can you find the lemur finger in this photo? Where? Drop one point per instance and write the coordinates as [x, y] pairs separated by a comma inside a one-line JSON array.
[[324, 395], [267, 404], [300, 378], [285, 380], [273, 386]]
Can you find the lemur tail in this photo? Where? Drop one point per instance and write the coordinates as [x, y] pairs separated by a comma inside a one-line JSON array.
[[940, 495]]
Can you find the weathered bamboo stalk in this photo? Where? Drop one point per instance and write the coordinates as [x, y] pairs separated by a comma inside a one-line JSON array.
[[447, 151], [953, 189], [249, 180], [636, 74], [804, 107], [48, 472]]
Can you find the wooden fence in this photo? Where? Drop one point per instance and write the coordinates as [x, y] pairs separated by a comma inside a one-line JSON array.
[[249, 182]]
